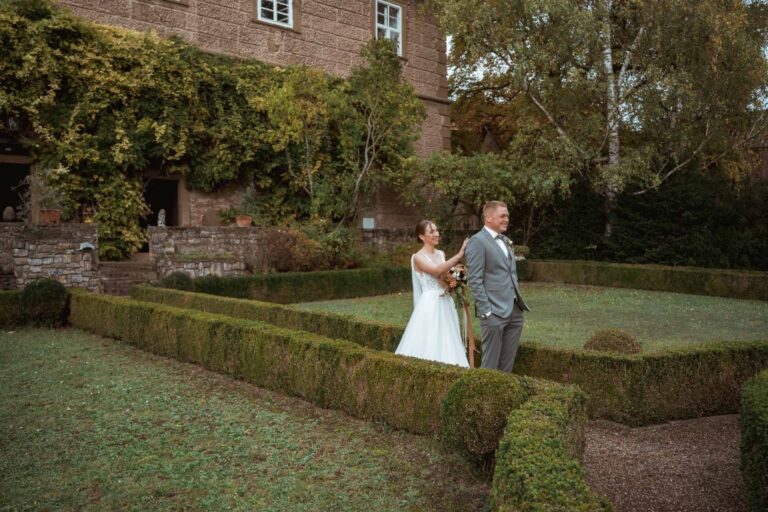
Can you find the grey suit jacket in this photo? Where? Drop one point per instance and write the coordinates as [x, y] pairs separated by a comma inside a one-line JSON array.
[[492, 276]]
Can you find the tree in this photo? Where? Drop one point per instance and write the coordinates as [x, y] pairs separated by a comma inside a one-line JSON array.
[[378, 119], [636, 90], [452, 188]]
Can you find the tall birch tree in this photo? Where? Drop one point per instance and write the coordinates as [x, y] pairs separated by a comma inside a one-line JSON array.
[[635, 91]]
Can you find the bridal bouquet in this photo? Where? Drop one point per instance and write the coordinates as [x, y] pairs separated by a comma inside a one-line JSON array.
[[456, 284]]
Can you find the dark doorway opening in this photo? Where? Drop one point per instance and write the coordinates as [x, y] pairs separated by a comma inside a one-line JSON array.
[[12, 186], [161, 194]]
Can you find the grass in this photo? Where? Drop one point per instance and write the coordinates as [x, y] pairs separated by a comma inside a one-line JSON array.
[[88, 423], [566, 315]]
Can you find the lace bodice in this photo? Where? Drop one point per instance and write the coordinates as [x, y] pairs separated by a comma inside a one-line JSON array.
[[426, 281]]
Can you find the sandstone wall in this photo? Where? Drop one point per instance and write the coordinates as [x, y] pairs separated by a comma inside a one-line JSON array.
[[327, 34]]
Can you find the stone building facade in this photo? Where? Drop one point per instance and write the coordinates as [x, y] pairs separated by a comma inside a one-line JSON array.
[[326, 34]]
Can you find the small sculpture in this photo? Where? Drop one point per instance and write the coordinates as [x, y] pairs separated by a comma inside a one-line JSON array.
[[9, 214], [161, 218]]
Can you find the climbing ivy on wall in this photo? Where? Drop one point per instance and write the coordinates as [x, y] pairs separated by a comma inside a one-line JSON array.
[[115, 107]]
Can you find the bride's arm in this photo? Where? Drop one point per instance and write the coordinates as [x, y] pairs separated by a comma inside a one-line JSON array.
[[423, 264]]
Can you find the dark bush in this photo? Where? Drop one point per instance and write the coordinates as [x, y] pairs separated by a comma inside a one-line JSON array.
[[613, 340], [44, 303], [11, 313], [178, 280], [737, 284], [701, 219]]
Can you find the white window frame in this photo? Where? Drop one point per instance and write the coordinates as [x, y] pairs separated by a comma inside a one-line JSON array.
[[388, 31], [274, 20]]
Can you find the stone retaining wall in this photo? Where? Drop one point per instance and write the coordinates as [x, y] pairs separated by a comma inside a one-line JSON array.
[[9, 231], [201, 251], [65, 252]]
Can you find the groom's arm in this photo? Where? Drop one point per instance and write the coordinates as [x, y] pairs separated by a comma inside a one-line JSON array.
[[475, 255]]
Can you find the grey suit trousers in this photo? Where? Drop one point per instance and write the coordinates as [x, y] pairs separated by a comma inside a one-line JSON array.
[[501, 339]]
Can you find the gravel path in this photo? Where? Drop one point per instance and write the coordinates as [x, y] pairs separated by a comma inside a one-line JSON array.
[[690, 465]]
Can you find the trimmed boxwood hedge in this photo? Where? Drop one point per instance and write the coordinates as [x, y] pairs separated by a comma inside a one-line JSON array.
[[536, 463], [405, 393], [632, 389], [738, 284], [754, 441], [375, 335], [291, 287], [684, 383], [333, 373]]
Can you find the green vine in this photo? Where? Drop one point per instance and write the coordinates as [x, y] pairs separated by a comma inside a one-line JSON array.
[[116, 107]]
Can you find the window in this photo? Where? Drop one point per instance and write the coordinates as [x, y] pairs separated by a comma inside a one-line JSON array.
[[276, 12], [389, 23]]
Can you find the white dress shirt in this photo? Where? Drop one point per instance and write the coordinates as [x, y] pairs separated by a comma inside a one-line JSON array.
[[498, 241]]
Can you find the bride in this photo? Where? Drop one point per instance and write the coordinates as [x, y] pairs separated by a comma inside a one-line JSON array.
[[433, 331]]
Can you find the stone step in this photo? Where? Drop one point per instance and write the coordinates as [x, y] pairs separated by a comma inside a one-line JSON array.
[[120, 276]]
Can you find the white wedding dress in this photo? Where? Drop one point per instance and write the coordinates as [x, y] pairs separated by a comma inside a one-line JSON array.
[[433, 331]]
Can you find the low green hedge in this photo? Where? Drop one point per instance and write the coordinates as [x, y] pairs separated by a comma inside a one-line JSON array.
[[684, 383], [632, 389], [754, 442], [373, 335], [737, 284], [332, 373], [291, 287], [403, 392], [537, 461]]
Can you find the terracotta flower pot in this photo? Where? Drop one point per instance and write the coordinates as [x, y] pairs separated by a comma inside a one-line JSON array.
[[243, 221], [50, 216]]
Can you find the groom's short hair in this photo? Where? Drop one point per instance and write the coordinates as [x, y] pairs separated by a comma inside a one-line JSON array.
[[492, 206]]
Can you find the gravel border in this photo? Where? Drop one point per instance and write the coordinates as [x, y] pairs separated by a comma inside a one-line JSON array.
[[690, 465]]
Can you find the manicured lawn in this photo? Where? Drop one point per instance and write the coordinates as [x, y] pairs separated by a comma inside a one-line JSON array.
[[566, 315], [88, 423]]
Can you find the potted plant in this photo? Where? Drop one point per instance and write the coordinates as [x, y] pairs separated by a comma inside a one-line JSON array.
[[248, 204], [47, 194], [243, 220], [39, 191]]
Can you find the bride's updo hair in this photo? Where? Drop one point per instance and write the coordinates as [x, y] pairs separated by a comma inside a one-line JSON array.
[[421, 228]]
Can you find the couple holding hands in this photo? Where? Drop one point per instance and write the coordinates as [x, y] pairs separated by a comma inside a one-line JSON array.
[[433, 330]]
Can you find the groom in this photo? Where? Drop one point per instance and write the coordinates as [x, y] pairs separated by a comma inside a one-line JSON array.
[[492, 277]]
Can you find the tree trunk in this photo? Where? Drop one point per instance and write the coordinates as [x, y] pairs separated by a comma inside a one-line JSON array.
[[612, 120]]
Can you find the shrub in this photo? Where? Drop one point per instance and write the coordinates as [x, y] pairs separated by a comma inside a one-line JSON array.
[[738, 284], [754, 441], [373, 335], [404, 392], [307, 286], [537, 463], [683, 383], [11, 313], [474, 412], [397, 256], [613, 340], [44, 303], [688, 382], [178, 280]]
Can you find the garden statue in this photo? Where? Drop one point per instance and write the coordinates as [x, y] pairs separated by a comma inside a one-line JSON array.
[[161, 218], [9, 214]]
